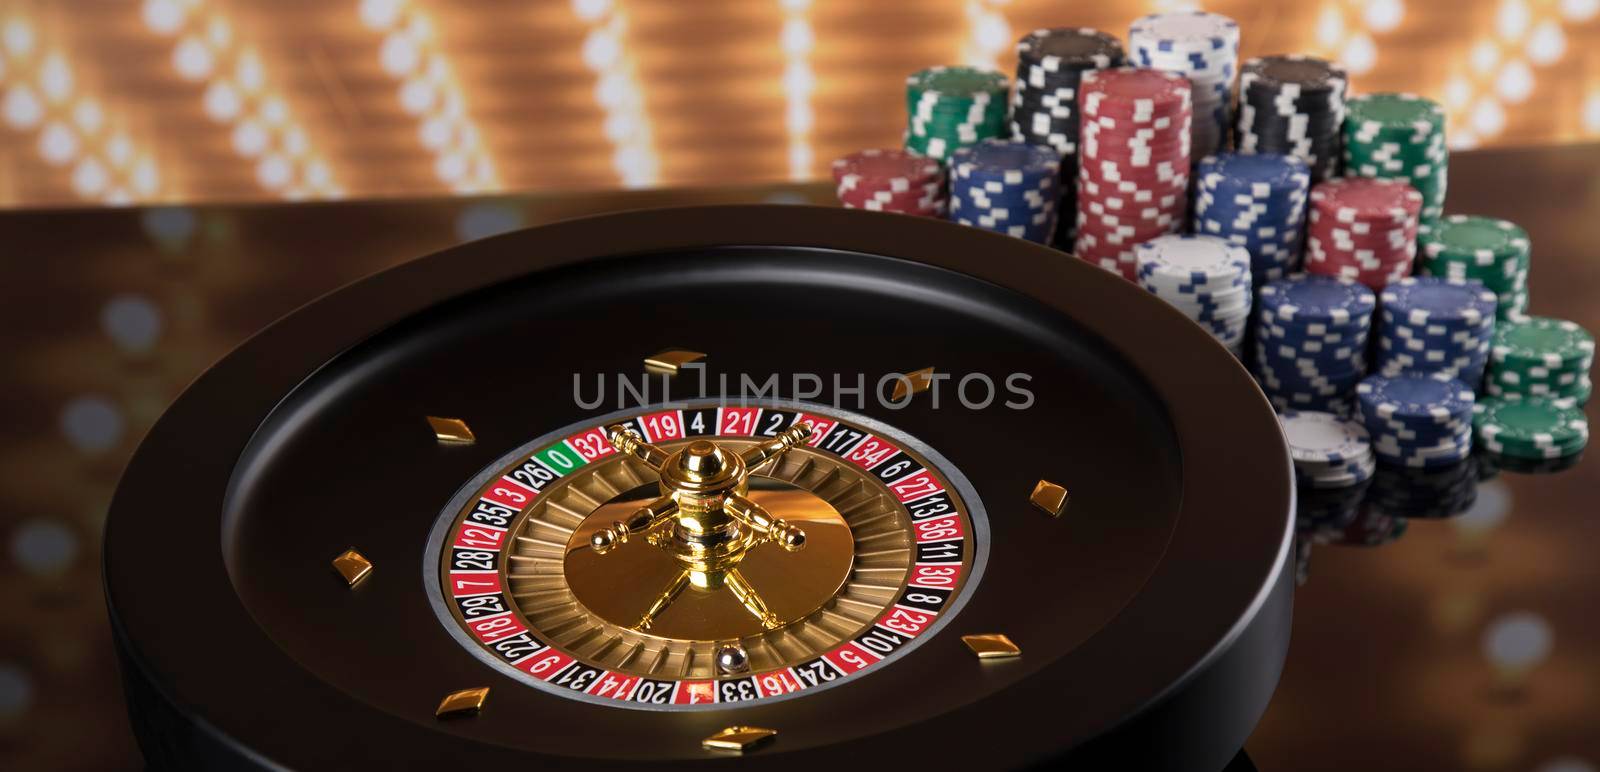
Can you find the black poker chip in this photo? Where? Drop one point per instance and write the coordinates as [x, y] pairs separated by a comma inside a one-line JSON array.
[[1306, 74], [1044, 109], [1069, 48], [1293, 105]]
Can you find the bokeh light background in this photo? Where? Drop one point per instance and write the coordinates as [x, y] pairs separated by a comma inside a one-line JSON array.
[[119, 101], [535, 110]]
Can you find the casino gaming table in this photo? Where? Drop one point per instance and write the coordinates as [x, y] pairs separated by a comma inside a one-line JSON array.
[[1151, 614], [753, 566]]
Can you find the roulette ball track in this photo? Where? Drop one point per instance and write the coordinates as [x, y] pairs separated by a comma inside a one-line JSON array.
[[630, 576]]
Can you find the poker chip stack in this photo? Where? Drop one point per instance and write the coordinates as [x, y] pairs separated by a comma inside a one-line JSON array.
[[953, 107], [1531, 430], [1399, 136], [1044, 107], [1203, 276], [1363, 229], [887, 180], [1293, 105], [1433, 325], [1007, 187], [1328, 451], [1540, 357], [1417, 420], [1487, 249], [1203, 47], [1133, 175], [1311, 341], [1444, 491], [1257, 202]]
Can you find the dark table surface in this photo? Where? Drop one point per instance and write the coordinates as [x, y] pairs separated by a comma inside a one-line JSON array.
[[109, 313]]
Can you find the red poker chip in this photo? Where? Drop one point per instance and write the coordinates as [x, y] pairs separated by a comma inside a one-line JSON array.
[[875, 206], [1127, 182], [1133, 114], [1136, 131], [1375, 237], [1120, 86], [1096, 233], [1114, 172], [1334, 236], [935, 190], [1366, 231], [1335, 249], [1117, 150], [1377, 246], [1130, 209], [1127, 163], [886, 164], [1360, 198], [1151, 189], [1119, 165], [1167, 147], [1322, 263], [1114, 125], [1175, 146], [1120, 262], [918, 211]]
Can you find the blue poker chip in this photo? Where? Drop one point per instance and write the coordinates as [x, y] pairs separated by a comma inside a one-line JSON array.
[[1423, 300], [1258, 171], [1305, 299], [1415, 398], [996, 158], [1007, 187]]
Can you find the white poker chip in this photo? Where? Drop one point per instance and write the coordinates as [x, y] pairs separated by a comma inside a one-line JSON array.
[[1318, 438]]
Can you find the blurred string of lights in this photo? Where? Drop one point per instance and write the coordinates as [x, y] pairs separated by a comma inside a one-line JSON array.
[[238, 95], [1499, 70], [1345, 29], [43, 94], [798, 82], [411, 54], [988, 33], [617, 91]]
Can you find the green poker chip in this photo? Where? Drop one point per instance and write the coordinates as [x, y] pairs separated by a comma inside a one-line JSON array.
[[959, 82], [1473, 237], [949, 108], [1530, 428], [1393, 113], [1402, 137], [1540, 341], [1490, 250], [1577, 394]]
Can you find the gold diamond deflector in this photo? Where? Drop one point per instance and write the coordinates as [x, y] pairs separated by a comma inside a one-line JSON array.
[[353, 566], [1049, 497], [622, 584], [991, 646], [920, 381], [451, 431], [739, 739], [669, 362], [462, 703]]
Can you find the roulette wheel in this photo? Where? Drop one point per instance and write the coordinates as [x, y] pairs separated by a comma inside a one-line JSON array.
[[446, 517]]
